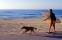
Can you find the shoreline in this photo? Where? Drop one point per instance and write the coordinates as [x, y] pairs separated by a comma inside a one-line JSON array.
[[24, 18]]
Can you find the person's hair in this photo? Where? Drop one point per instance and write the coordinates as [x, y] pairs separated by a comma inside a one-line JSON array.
[[50, 10]]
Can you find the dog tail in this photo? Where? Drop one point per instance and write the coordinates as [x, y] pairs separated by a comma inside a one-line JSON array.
[[35, 28]]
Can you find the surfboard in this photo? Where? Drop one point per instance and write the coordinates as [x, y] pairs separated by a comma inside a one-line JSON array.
[[46, 15]]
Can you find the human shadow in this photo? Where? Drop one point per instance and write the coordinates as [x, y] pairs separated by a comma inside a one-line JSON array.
[[54, 36], [58, 34]]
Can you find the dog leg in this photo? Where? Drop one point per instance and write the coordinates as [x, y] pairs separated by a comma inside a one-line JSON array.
[[33, 32], [24, 32]]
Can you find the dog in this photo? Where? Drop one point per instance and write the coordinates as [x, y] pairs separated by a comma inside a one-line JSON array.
[[28, 29]]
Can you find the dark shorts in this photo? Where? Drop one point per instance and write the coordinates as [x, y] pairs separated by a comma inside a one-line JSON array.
[[53, 19]]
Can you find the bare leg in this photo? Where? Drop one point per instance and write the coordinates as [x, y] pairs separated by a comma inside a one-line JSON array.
[[54, 26], [50, 25]]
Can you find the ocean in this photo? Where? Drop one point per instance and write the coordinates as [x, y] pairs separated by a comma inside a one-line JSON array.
[[26, 13]]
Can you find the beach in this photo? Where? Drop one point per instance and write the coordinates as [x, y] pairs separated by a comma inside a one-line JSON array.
[[10, 29], [25, 20]]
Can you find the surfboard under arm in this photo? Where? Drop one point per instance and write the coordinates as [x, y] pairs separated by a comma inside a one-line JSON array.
[[47, 15]]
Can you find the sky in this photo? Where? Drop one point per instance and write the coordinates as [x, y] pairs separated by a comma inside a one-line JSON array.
[[30, 4]]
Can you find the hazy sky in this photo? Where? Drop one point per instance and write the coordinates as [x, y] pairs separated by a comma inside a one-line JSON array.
[[30, 4]]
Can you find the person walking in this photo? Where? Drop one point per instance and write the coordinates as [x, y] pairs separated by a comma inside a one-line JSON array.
[[52, 20]]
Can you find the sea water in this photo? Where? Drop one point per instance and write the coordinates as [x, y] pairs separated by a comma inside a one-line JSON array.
[[26, 13]]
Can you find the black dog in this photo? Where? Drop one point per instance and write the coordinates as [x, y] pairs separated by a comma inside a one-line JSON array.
[[28, 29]]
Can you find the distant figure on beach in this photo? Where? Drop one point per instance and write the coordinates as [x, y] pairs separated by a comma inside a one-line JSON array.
[[52, 20]]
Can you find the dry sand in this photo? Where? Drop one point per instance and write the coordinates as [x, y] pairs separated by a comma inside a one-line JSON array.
[[10, 29]]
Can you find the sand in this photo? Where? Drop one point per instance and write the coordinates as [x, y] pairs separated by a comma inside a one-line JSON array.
[[10, 29]]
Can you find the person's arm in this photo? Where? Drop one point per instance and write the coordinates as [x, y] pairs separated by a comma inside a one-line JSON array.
[[46, 19]]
